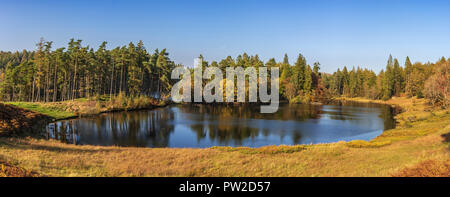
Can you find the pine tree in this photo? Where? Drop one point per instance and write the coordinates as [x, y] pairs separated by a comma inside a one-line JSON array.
[[398, 78], [40, 67], [389, 80], [316, 68], [285, 68], [408, 81], [59, 61], [163, 66], [307, 85], [298, 73], [353, 83], [48, 61], [270, 64], [345, 81], [134, 71]]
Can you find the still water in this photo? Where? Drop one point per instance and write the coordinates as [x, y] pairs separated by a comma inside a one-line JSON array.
[[207, 125]]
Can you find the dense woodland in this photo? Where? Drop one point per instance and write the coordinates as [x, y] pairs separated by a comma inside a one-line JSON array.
[[78, 71], [49, 75]]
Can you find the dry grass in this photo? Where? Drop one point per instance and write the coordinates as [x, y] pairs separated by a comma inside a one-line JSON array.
[[8, 170], [51, 158], [395, 152], [15, 120], [92, 106], [429, 168]]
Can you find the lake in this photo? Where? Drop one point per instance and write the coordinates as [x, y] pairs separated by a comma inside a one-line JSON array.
[[202, 126]]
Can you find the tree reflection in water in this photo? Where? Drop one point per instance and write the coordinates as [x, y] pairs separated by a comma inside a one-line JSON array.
[[199, 125], [139, 129]]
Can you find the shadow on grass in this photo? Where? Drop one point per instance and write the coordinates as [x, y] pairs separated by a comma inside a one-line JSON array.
[[446, 137]]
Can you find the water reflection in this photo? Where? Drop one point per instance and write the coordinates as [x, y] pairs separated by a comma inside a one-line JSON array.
[[208, 125], [140, 128]]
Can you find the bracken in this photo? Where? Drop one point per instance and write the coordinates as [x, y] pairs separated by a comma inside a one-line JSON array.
[[14, 120]]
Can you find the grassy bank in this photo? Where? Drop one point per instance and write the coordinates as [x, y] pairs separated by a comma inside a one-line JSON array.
[[49, 109], [417, 119], [91, 106], [418, 140]]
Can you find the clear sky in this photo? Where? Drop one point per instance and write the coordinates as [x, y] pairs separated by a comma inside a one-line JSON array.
[[336, 33]]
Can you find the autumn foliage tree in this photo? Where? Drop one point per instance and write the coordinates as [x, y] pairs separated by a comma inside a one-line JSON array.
[[437, 86]]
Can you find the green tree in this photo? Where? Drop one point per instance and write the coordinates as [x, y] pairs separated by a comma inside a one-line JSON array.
[[298, 73], [285, 68], [307, 85], [398, 75]]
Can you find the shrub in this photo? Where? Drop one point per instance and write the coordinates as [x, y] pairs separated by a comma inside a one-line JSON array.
[[302, 98], [296, 99]]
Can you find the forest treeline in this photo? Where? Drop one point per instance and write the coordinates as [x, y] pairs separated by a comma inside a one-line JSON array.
[[430, 80], [47, 75], [79, 71]]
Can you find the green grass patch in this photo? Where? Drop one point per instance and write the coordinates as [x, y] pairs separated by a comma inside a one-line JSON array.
[[53, 112]]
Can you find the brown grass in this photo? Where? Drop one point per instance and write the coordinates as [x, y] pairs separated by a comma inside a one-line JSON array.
[[52, 158], [8, 170], [395, 152], [429, 168], [14, 120]]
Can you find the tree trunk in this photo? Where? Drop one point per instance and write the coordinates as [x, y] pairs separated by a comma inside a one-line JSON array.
[[112, 79], [55, 87], [47, 82], [121, 76], [74, 79], [32, 89]]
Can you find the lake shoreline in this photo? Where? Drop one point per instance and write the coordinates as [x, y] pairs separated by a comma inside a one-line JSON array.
[[417, 138], [203, 126], [63, 110], [114, 111]]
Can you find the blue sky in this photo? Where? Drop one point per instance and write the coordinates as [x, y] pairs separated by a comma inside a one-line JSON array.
[[336, 33]]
